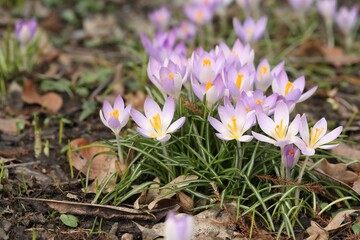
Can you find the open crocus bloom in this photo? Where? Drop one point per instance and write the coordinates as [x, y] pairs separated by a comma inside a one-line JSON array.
[[250, 31], [259, 102], [238, 80], [234, 122], [160, 18], [178, 227], [186, 30], [25, 30], [291, 156], [156, 123], [279, 130], [238, 53], [316, 137], [291, 91], [115, 117], [198, 14]]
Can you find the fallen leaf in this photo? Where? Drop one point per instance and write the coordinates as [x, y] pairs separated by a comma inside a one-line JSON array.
[[51, 101], [316, 232], [337, 221], [9, 125], [101, 164], [337, 171], [168, 191], [350, 153], [337, 57], [186, 202], [356, 186], [149, 195]]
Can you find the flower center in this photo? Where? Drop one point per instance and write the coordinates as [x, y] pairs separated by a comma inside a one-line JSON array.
[[208, 85], [156, 122], [314, 135], [206, 62], [289, 87], [171, 76], [235, 53], [115, 114], [233, 128], [259, 101], [263, 70], [247, 109], [199, 16], [280, 130], [249, 31], [239, 80]]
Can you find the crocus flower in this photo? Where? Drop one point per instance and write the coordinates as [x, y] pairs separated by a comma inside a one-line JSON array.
[[186, 30], [291, 156], [238, 80], [291, 91], [160, 18], [178, 227], [170, 75], [327, 9], [238, 53], [25, 30], [156, 123], [316, 138], [115, 117], [258, 102], [198, 14], [250, 31], [301, 6], [163, 45], [234, 122], [264, 77], [346, 19], [279, 130], [212, 90]]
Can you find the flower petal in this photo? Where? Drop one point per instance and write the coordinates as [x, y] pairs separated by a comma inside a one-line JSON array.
[[217, 125], [119, 103], [167, 112], [266, 124], [331, 136], [141, 120], [151, 108], [263, 138], [107, 109], [164, 138], [176, 125]]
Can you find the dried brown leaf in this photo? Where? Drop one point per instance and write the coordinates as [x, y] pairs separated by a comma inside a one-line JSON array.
[[349, 152], [51, 101], [337, 171], [8, 125], [337, 57], [185, 201], [147, 196], [316, 232], [337, 221]]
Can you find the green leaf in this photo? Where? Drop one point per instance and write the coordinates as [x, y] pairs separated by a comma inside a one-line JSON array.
[[69, 220], [356, 227]]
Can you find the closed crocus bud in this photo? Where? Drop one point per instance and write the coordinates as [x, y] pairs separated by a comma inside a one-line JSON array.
[[160, 18], [327, 9], [291, 156], [178, 227], [25, 30], [346, 19]]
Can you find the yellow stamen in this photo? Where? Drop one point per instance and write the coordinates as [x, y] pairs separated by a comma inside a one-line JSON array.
[[249, 31], [259, 101], [280, 130], [239, 80], [235, 53], [171, 76], [156, 122], [289, 87], [247, 109], [208, 85], [314, 136], [115, 114], [199, 16], [233, 128], [263, 70], [206, 62]]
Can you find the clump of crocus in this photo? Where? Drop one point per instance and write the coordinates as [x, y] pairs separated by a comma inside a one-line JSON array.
[[157, 123], [251, 31], [25, 31], [346, 20], [160, 18], [178, 227], [115, 117], [327, 9]]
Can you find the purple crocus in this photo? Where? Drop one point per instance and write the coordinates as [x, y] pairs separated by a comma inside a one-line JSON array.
[[198, 14], [279, 130], [160, 18], [251, 31], [238, 53], [258, 102], [316, 138], [238, 80], [301, 6], [346, 19], [25, 30], [186, 30], [170, 75], [115, 117], [291, 156], [291, 91], [178, 227], [264, 77], [235, 121], [327, 9], [156, 123]]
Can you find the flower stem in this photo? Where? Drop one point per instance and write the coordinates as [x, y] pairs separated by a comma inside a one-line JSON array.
[[282, 167], [120, 154], [166, 154], [297, 193], [240, 163], [330, 34]]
